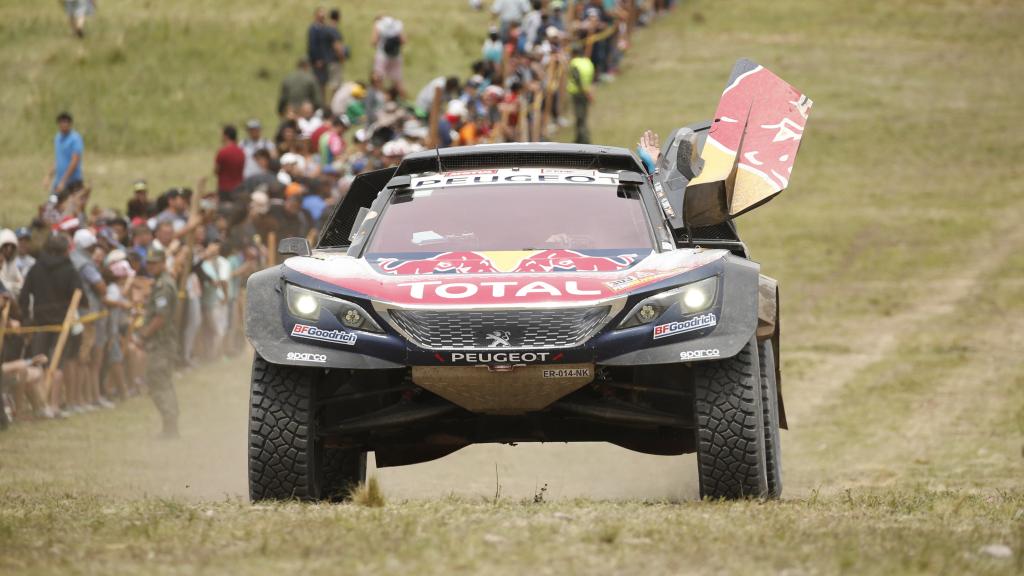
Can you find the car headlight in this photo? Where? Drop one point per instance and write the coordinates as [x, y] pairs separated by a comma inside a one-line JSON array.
[[306, 304], [695, 297]]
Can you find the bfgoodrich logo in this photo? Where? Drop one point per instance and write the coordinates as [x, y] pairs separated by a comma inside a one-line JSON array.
[[688, 325], [314, 333]]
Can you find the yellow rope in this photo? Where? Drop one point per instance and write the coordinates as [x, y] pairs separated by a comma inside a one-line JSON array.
[[87, 319]]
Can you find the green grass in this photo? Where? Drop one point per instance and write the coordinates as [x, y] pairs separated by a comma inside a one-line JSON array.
[[897, 247], [154, 81]]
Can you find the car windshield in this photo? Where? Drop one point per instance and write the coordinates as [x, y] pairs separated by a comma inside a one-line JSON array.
[[513, 217]]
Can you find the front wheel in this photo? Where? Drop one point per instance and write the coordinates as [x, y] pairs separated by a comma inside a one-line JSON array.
[[286, 458], [730, 427], [770, 408]]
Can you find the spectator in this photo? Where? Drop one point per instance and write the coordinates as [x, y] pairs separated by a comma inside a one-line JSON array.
[[25, 259], [331, 145], [140, 206], [387, 39], [229, 164], [425, 98], [493, 47], [309, 120], [263, 177], [216, 273], [297, 87], [336, 67], [175, 211], [531, 25], [319, 45], [10, 275], [116, 271], [509, 12], [44, 300], [160, 338], [325, 50], [94, 334], [579, 87], [68, 150], [254, 142], [142, 237], [77, 10]]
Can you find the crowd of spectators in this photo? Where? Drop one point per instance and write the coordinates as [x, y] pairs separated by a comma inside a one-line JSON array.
[[269, 185]]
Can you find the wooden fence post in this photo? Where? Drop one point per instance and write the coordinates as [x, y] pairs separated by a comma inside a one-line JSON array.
[[3, 333], [271, 248], [62, 340]]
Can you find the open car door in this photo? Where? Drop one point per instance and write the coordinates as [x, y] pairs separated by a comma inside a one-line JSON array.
[[746, 156]]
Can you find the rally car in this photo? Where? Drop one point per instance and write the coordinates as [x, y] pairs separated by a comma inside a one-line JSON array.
[[533, 293]]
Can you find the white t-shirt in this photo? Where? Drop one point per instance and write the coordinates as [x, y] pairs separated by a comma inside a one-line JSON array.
[[386, 28]]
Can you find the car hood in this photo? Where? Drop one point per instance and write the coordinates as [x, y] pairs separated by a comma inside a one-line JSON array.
[[543, 277]]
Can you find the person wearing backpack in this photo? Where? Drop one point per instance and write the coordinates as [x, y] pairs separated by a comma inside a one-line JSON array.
[[388, 39]]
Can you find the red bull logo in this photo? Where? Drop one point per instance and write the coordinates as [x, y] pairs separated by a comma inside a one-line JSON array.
[[572, 261], [444, 263], [769, 138]]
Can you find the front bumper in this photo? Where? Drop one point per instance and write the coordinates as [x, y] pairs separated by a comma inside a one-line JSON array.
[[269, 328]]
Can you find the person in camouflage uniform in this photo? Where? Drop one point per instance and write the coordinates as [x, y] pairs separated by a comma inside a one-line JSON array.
[[160, 339]]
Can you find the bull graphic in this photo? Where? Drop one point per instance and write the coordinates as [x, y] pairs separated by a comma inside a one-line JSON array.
[[444, 263], [762, 118], [573, 261]]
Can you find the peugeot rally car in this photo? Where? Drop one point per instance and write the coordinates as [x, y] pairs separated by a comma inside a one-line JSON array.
[[533, 292]]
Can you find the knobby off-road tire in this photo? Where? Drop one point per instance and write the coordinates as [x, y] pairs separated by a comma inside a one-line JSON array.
[[770, 408], [730, 427], [286, 459]]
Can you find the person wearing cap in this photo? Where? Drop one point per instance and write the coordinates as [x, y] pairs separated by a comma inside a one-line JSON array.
[[10, 275], [254, 141], [91, 350], [24, 260], [139, 206], [160, 339], [116, 271]]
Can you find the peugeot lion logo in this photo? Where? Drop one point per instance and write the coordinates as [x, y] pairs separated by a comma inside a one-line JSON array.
[[499, 338]]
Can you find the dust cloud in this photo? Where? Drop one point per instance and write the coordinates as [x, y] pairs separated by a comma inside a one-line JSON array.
[[209, 461]]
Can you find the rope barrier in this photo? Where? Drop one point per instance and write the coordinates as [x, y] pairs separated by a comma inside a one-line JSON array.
[[87, 319]]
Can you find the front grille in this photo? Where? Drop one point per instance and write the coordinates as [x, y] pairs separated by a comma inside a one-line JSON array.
[[498, 329]]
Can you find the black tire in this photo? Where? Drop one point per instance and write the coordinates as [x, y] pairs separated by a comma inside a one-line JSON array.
[[343, 469], [770, 408], [286, 459], [730, 427]]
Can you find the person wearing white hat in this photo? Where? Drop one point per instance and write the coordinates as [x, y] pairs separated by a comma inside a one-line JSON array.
[[10, 275], [94, 334]]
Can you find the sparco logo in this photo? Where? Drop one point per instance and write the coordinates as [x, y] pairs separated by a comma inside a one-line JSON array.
[[688, 325], [698, 354], [307, 357], [314, 333], [500, 357]]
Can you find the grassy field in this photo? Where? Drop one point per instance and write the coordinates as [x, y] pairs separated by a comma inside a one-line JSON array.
[[898, 247]]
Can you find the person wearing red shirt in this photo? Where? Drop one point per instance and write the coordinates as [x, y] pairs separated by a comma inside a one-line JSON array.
[[229, 164]]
